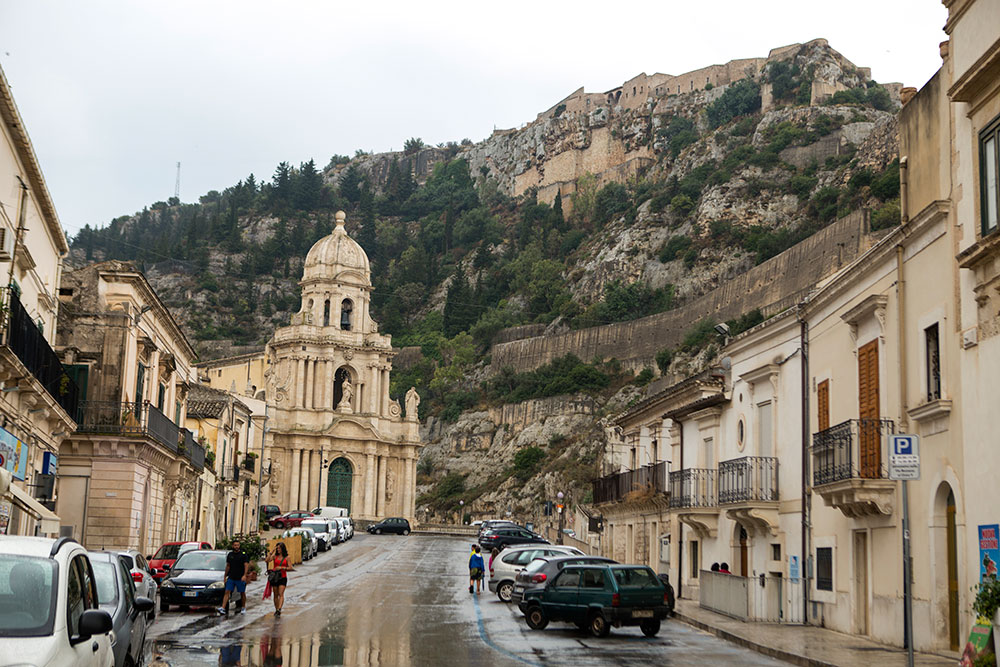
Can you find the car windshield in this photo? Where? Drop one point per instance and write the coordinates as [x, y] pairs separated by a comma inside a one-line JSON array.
[[105, 574], [27, 596], [201, 560], [167, 552], [636, 578]]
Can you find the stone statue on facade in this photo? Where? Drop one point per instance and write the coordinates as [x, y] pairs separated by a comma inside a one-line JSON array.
[[348, 393], [412, 402]]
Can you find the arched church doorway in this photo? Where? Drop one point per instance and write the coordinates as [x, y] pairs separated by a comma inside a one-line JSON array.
[[338, 484]]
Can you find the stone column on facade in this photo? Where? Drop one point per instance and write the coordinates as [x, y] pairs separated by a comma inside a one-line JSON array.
[[370, 483], [380, 492], [300, 374], [384, 393], [304, 479], [407, 485], [307, 384], [293, 389], [328, 386], [293, 487], [315, 488]]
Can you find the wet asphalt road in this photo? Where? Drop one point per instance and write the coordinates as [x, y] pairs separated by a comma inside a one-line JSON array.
[[389, 600]]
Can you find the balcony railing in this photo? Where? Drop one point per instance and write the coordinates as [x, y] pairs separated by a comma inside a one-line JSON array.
[[854, 449], [22, 336], [693, 487], [192, 451], [748, 479], [162, 429], [139, 419], [230, 473], [248, 463], [651, 478]]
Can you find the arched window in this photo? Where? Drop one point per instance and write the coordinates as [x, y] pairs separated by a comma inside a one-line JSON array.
[[326, 313], [346, 309]]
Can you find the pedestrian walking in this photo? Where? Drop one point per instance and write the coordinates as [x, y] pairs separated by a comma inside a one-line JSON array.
[[235, 578], [277, 575], [475, 570], [493, 554]]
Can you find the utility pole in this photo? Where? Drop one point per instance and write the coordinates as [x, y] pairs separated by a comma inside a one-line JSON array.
[[177, 183]]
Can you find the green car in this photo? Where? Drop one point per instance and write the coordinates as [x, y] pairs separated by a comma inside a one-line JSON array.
[[596, 597]]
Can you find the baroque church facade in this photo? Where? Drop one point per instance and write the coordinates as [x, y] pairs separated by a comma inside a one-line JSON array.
[[334, 435]]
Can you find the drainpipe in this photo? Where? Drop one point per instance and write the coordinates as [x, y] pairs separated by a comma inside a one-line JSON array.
[[904, 188], [680, 526], [806, 493], [901, 324]]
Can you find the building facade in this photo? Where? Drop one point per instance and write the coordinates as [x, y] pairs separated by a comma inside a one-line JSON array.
[[37, 398], [130, 474]]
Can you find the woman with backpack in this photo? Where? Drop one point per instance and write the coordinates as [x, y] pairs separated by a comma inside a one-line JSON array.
[[476, 569]]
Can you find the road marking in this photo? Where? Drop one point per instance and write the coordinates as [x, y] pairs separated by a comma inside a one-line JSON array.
[[489, 642]]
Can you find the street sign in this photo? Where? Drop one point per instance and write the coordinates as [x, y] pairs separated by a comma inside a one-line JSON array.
[[904, 457]]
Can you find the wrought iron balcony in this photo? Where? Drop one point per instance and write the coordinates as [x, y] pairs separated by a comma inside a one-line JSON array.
[[249, 463], [849, 467], [748, 479], [22, 337], [139, 419], [632, 483], [854, 449], [693, 487]]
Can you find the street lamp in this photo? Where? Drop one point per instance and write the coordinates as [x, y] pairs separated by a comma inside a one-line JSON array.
[[461, 513], [559, 507]]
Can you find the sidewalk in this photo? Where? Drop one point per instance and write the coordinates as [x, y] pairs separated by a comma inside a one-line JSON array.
[[802, 644]]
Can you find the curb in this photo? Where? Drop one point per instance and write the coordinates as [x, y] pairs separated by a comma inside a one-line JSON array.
[[442, 533], [787, 656]]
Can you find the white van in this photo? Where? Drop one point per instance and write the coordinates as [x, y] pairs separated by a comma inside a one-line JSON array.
[[330, 512]]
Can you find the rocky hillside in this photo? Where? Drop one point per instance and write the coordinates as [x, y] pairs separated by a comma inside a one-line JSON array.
[[607, 207]]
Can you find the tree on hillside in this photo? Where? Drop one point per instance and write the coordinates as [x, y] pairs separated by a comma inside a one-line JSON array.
[[350, 184], [460, 310], [309, 187], [281, 183], [413, 145], [739, 99]]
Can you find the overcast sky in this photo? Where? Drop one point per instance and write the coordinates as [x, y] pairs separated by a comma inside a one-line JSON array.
[[115, 93]]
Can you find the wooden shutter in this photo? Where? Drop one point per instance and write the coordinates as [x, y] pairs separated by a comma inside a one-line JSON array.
[[869, 433], [823, 405]]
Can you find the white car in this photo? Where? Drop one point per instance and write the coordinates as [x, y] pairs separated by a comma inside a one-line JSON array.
[[49, 609], [512, 560], [349, 525], [310, 545], [326, 534], [145, 584]]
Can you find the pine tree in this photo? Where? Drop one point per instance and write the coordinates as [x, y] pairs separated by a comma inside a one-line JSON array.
[[282, 183], [309, 187], [366, 236], [350, 184], [557, 206]]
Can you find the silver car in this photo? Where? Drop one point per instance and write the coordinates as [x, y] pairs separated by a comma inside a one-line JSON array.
[[116, 595], [145, 584], [325, 530], [512, 560], [310, 545]]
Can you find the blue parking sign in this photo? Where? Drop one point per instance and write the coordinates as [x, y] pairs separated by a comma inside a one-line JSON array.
[[904, 457]]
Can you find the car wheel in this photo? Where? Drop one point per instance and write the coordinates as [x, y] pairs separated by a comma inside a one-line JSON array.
[[598, 625], [279, 525], [406, 531], [163, 605], [537, 620], [504, 591], [378, 531], [650, 627]]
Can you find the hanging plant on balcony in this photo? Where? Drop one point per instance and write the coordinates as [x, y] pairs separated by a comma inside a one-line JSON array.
[[209, 458]]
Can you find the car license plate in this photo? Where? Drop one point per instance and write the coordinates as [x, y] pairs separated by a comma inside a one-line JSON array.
[[190, 594], [642, 613]]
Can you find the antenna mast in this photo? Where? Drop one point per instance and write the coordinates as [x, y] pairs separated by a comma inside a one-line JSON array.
[[177, 184]]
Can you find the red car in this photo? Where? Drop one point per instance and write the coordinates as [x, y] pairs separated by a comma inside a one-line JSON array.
[[161, 562], [291, 519]]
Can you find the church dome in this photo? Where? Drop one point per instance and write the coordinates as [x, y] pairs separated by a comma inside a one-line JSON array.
[[337, 257]]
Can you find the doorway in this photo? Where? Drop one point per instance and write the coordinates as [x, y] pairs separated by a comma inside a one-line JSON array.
[[338, 484], [861, 582], [953, 637], [744, 553]]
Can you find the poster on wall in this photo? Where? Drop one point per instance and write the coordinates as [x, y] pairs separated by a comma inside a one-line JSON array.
[[13, 454], [989, 550]]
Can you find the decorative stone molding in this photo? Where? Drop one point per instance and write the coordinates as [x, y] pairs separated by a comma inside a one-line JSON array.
[[872, 306]]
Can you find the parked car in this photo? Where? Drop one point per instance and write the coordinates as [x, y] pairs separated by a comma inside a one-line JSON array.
[[489, 524], [116, 594], [596, 597], [543, 569], [504, 536], [396, 525], [330, 512], [506, 566], [49, 609], [349, 524], [290, 519], [327, 535], [195, 580], [310, 545], [161, 562], [268, 512], [145, 585]]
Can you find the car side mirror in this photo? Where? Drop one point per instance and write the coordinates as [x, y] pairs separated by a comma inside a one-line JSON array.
[[95, 622], [143, 604], [149, 557], [165, 567]]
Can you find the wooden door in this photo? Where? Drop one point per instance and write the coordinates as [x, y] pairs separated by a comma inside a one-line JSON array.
[[861, 582], [744, 553], [953, 635], [869, 435], [823, 405]]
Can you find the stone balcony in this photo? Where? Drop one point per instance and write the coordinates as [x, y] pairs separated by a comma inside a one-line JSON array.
[[850, 467]]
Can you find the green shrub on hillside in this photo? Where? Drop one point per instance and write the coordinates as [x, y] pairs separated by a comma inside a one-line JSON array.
[[739, 99], [886, 216], [675, 246], [526, 462], [663, 359], [885, 186], [566, 375], [612, 200], [698, 336]]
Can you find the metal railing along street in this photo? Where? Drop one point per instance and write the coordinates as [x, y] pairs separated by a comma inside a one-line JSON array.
[[693, 487], [764, 598], [854, 449], [22, 335], [747, 479], [612, 488]]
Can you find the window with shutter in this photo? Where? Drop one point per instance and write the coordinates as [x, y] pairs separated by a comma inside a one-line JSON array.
[[823, 405], [869, 436]]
